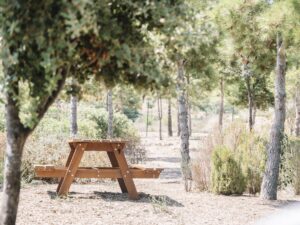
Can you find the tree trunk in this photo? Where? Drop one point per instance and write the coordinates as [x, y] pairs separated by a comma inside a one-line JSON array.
[[190, 119], [170, 131], [147, 121], [178, 123], [250, 102], [73, 119], [270, 179], [183, 121], [110, 114], [297, 120], [221, 111], [189, 106], [16, 137], [254, 113], [159, 108]]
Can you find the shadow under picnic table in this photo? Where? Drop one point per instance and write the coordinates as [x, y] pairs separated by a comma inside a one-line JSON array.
[[115, 196], [144, 198]]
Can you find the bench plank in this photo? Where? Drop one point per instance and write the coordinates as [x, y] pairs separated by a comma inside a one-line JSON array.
[[95, 172]]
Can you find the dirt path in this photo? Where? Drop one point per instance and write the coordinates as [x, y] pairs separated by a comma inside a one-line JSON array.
[[162, 201]]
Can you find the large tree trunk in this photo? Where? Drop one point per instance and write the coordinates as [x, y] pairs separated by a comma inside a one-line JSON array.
[[270, 179], [16, 137], [183, 121], [73, 119], [297, 120], [110, 114], [159, 108], [170, 131], [221, 111]]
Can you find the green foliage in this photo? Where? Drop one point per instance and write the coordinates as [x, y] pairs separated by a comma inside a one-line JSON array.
[[226, 175], [35, 60], [251, 48], [250, 152], [122, 126], [290, 164], [252, 155], [128, 101]]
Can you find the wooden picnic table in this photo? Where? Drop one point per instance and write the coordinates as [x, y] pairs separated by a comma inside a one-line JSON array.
[[119, 168]]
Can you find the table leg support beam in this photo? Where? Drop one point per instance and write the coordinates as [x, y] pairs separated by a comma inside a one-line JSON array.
[[64, 187]]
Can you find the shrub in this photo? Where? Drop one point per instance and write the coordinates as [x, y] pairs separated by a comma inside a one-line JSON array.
[[290, 164], [122, 128], [226, 176], [248, 148], [251, 154], [201, 166]]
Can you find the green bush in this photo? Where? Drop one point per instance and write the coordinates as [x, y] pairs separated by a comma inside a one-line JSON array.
[[226, 175], [251, 155], [122, 126], [290, 164]]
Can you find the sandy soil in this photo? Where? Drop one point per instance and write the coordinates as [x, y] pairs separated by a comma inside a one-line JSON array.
[[163, 201]]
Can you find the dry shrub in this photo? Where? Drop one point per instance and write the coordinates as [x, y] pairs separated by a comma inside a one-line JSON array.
[[249, 153], [201, 167]]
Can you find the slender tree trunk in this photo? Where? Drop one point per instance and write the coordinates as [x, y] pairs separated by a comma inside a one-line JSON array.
[[189, 106], [221, 111], [250, 103], [178, 123], [147, 121], [270, 179], [232, 114], [190, 118], [16, 137], [73, 119], [110, 114], [183, 120], [170, 131], [159, 108], [297, 120], [254, 113]]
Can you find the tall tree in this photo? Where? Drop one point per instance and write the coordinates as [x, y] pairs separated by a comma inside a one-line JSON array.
[[35, 68], [183, 123], [270, 179], [250, 55]]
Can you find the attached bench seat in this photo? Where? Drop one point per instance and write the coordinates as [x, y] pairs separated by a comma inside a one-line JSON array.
[[137, 171]]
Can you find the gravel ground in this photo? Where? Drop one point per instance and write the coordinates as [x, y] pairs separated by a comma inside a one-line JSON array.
[[163, 201]]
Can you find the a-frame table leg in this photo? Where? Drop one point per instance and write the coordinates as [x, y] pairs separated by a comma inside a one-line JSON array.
[[72, 169], [125, 172], [67, 164], [114, 163]]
